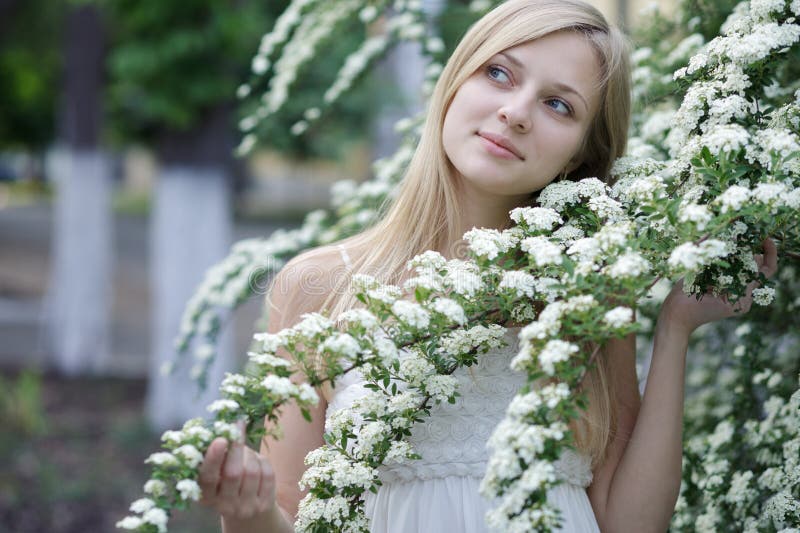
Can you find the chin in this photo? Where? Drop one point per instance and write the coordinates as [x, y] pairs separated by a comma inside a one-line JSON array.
[[495, 184]]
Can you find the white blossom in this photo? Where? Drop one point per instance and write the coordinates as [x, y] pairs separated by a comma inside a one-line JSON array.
[[613, 235], [156, 487], [162, 459], [190, 454], [270, 342], [388, 294], [542, 251], [520, 282], [280, 386], [173, 437], [371, 433], [585, 250], [313, 324], [441, 387], [197, 431], [657, 124], [763, 295], [690, 256], [726, 138], [157, 517], [618, 317], [722, 434], [268, 360], [411, 313], [643, 189], [630, 264], [227, 430], [223, 405], [189, 489], [451, 309], [567, 233], [415, 369], [555, 351], [428, 261], [537, 218], [130, 522], [463, 279], [605, 207], [489, 242], [398, 451], [142, 505], [386, 350], [559, 194], [342, 344], [429, 281], [698, 214]]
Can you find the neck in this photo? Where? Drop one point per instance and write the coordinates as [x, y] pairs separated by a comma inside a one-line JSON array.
[[480, 210]]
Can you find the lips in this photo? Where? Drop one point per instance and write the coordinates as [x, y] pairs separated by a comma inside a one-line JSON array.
[[502, 142]]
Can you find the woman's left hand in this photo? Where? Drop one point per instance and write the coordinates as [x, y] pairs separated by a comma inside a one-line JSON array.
[[687, 313]]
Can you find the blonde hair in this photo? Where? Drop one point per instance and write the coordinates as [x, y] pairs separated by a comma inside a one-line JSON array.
[[427, 195]]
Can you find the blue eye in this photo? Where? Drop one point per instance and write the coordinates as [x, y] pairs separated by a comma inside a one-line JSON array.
[[497, 74], [567, 109]]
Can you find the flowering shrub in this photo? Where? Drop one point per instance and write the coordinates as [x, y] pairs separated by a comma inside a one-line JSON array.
[[692, 199]]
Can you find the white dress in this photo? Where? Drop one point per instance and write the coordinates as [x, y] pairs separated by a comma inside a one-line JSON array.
[[439, 493]]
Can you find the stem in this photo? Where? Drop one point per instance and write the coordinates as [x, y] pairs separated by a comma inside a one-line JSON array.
[[588, 365]]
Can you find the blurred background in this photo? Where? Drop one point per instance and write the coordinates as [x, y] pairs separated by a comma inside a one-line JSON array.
[[118, 189]]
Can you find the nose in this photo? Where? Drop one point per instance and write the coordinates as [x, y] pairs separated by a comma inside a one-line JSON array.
[[516, 116]]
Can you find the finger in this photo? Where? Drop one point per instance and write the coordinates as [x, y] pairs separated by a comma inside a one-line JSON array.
[[266, 490], [211, 468], [746, 302], [770, 265], [232, 472], [242, 430], [251, 476]]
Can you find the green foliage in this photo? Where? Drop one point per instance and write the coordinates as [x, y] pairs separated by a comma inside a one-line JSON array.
[[342, 124], [706, 16], [29, 63], [172, 62], [453, 22], [21, 410]]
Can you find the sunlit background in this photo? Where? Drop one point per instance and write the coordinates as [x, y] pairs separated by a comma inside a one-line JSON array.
[[118, 189]]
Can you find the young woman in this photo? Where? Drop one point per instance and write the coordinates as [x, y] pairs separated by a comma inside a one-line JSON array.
[[537, 90]]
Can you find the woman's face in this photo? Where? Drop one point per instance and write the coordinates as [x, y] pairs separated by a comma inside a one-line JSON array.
[[516, 123]]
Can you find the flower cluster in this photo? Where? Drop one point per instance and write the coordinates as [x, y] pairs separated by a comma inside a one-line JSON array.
[[741, 467]]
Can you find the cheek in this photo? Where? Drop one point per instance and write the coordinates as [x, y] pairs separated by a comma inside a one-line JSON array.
[[467, 102], [453, 127], [559, 140], [447, 134]]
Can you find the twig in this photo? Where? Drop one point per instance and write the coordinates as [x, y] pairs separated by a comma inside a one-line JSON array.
[[589, 364]]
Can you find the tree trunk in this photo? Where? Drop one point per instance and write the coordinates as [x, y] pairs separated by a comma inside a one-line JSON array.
[[191, 227], [405, 66], [190, 231], [79, 296]]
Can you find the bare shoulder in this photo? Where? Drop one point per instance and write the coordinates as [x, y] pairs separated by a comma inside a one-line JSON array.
[[305, 282]]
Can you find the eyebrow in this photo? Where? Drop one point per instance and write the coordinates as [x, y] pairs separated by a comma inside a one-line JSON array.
[[558, 85]]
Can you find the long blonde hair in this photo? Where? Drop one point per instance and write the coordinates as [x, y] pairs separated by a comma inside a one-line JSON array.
[[425, 214]]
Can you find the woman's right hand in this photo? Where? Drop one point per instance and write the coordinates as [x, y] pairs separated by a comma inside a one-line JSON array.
[[237, 481]]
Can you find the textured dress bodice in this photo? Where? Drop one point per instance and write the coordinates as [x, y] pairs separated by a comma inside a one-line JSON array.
[[452, 443]]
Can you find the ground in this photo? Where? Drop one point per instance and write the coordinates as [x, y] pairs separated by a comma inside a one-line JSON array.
[[73, 459]]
